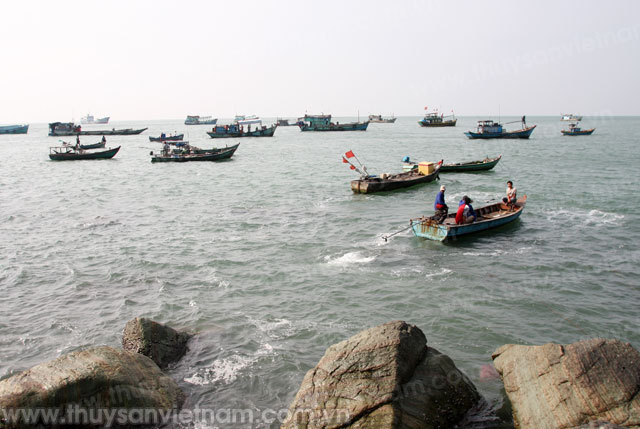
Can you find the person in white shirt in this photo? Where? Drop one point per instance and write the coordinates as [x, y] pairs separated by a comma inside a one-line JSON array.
[[511, 197]]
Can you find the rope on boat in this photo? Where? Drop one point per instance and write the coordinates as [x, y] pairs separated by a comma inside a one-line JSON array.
[[385, 237]]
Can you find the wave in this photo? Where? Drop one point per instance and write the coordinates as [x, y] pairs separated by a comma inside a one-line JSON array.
[[440, 272], [585, 218], [349, 258], [603, 218], [499, 252]]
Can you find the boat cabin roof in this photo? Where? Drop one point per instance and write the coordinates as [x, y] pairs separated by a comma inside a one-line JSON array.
[[487, 123]]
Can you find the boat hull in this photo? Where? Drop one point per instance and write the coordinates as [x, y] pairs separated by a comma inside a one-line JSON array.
[[520, 134], [501, 215], [75, 156], [354, 126], [167, 138], [397, 181], [225, 153], [578, 133], [99, 145], [470, 166], [121, 132], [269, 132], [451, 123], [14, 129]]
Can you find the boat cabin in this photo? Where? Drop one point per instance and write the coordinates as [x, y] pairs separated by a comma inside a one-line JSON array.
[[316, 120], [64, 126], [489, 127]]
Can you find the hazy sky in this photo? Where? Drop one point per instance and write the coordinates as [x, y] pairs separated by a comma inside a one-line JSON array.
[[166, 59]]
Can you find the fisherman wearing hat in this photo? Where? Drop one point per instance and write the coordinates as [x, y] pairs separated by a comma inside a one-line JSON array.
[[440, 206]]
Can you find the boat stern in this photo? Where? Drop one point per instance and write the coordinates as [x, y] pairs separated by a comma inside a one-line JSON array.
[[429, 229]]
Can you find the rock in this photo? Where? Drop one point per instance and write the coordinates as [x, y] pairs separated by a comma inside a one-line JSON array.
[[555, 386], [384, 377], [96, 378], [159, 342]]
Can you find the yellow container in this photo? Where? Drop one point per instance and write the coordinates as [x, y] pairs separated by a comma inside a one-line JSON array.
[[426, 168]]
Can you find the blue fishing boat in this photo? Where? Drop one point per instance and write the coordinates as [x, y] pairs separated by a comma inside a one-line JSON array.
[[200, 120], [574, 130], [14, 129], [489, 217], [323, 123], [236, 130], [435, 119], [495, 130]]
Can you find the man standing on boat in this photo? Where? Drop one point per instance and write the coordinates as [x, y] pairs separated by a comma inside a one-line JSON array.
[[440, 206]]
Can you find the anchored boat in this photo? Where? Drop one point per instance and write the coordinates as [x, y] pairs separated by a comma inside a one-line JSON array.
[[494, 130], [435, 119], [489, 217], [482, 165], [200, 120], [574, 130], [195, 154], [14, 129], [71, 129], [71, 153], [89, 119], [427, 172], [570, 117], [236, 130], [163, 138], [323, 123], [378, 119]]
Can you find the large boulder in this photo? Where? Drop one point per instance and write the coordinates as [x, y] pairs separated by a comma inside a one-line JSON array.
[[99, 378], [556, 386], [384, 377], [159, 342]]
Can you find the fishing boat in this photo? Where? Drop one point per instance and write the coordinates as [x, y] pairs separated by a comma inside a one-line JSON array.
[[71, 129], [390, 182], [187, 156], [70, 153], [283, 122], [200, 120], [247, 120], [237, 130], [488, 217], [574, 130], [378, 119], [163, 137], [494, 130], [323, 123], [570, 117], [98, 145], [435, 119], [14, 129], [89, 119], [482, 165]]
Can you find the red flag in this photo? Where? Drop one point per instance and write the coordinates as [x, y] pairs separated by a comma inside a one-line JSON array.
[[344, 160], [349, 154], [426, 108], [352, 167]]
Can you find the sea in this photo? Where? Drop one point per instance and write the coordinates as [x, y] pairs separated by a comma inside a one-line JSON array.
[[269, 258]]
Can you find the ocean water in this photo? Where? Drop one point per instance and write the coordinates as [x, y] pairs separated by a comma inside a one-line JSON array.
[[270, 258]]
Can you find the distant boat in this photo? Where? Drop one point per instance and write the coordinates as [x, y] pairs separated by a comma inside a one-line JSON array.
[[98, 145], [202, 155], [237, 130], [200, 120], [70, 153], [164, 138], [247, 120], [494, 130], [378, 119], [435, 119], [323, 123], [570, 117], [391, 182], [14, 129], [71, 129], [461, 167], [283, 122], [574, 130], [89, 119], [489, 217]]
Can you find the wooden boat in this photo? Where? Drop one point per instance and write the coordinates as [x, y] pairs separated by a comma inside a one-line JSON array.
[[70, 129], [574, 130], [434, 119], [247, 120], [281, 122], [89, 119], [489, 217], [223, 153], [483, 165], [200, 120], [378, 119], [14, 129], [98, 145], [495, 130], [323, 123], [235, 130], [392, 182], [570, 117], [69, 153], [164, 138], [214, 150]]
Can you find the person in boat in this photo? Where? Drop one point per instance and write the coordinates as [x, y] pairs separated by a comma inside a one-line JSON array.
[[163, 135], [165, 149], [440, 206], [512, 196], [104, 140], [524, 121], [465, 213], [78, 142]]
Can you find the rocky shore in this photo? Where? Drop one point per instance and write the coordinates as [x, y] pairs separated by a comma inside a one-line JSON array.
[[384, 377]]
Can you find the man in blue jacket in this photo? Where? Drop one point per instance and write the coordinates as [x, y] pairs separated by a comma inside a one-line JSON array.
[[440, 206]]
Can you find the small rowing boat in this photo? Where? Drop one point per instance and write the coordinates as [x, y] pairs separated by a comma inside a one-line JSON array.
[[196, 154], [165, 138], [70, 153], [489, 217], [390, 182], [483, 165]]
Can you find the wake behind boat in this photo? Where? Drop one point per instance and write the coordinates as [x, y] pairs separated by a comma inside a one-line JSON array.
[[489, 217]]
